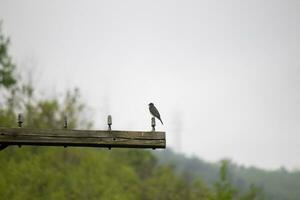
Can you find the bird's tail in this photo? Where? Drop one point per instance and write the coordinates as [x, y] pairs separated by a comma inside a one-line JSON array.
[[161, 121]]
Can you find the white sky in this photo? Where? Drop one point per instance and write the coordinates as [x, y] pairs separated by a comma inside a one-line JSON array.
[[225, 74]]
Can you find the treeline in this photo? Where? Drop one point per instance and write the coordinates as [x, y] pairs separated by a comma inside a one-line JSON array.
[[86, 173], [271, 184]]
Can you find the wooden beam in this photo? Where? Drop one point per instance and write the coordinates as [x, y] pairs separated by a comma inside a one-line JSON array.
[[83, 138]]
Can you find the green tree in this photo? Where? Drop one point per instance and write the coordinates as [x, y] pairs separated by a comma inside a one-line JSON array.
[[165, 185], [58, 173], [224, 189], [199, 190], [254, 193], [7, 78]]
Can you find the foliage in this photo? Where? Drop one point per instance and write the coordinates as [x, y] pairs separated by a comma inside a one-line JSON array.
[[247, 181], [199, 190], [224, 189], [7, 78]]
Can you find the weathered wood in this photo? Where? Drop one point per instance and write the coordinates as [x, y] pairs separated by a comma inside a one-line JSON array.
[[84, 138]]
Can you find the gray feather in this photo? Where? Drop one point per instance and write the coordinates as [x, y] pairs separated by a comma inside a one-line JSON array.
[[153, 110]]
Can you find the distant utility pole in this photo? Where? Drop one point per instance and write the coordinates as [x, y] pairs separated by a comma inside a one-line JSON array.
[[177, 130]]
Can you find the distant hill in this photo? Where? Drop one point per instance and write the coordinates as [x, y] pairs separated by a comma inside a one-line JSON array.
[[278, 184]]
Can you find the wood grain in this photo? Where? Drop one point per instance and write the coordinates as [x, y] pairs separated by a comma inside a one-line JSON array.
[[83, 138]]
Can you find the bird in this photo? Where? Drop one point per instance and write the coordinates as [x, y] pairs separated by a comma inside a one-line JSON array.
[[153, 110]]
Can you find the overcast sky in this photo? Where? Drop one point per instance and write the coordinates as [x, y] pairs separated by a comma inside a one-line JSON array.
[[224, 74]]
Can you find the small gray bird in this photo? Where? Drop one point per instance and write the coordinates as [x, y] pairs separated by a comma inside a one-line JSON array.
[[154, 112]]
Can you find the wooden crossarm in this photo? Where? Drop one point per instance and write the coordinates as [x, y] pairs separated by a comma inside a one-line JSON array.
[[83, 138]]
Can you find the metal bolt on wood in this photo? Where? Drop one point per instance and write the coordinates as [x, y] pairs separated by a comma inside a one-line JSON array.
[[20, 120], [109, 123], [65, 122], [153, 123]]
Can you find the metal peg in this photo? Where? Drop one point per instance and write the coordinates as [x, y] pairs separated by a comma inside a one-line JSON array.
[[109, 122], [20, 120], [65, 125], [153, 123], [65, 122]]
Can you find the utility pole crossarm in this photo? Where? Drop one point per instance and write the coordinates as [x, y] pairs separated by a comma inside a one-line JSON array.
[[83, 138]]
